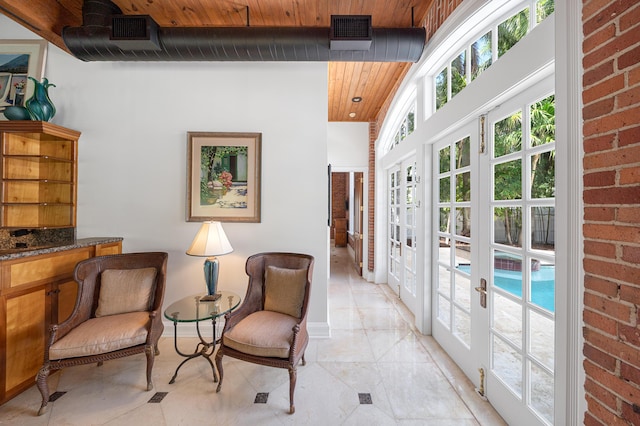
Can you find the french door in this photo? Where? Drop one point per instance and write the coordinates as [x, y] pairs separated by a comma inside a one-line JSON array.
[[494, 265], [402, 261]]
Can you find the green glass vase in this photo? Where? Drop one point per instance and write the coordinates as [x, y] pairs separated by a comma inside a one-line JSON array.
[[39, 105]]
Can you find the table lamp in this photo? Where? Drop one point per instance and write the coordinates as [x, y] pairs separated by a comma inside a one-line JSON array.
[[210, 241]]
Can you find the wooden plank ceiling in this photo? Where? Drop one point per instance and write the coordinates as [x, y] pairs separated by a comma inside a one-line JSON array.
[[375, 83]]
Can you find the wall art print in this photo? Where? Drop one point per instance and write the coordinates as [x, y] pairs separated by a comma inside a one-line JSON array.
[[223, 176], [19, 59]]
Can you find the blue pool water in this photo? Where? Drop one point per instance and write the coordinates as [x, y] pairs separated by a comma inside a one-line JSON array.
[[542, 284]]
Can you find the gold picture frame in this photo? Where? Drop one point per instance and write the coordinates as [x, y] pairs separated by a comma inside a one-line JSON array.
[[19, 59], [223, 176]]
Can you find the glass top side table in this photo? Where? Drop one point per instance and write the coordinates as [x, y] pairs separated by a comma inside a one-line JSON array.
[[191, 309]]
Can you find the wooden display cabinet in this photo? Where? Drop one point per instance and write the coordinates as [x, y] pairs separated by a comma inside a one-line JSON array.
[[36, 291], [39, 175]]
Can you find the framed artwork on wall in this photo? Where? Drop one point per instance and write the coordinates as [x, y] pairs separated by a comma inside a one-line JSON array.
[[19, 59], [223, 176]]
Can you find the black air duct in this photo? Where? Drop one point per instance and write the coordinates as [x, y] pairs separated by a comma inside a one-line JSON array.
[[94, 41]]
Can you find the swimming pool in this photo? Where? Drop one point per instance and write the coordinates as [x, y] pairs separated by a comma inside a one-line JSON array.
[[542, 284]]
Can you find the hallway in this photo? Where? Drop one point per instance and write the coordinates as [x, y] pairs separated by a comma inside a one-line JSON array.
[[375, 370]]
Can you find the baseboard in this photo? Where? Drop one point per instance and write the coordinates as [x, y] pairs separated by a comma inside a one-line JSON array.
[[319, 330]]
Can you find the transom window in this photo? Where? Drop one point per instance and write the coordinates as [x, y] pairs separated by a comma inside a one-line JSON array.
[[480, 53]]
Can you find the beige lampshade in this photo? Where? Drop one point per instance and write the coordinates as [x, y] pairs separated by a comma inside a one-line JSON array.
[[210, 241]]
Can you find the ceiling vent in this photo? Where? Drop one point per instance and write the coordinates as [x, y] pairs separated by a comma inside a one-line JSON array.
[[350, 32], [134, 32]]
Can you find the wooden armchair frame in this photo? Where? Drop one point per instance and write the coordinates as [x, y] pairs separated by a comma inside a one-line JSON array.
[[88, 276], [254, 301]]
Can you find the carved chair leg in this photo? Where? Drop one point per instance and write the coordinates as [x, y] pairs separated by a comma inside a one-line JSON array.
[[150, 352], [43, 387], [157, 349], [303, 360], [219, 356], [292, 387]]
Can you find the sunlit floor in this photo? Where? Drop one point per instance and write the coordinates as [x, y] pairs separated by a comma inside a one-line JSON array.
[[375, 370]]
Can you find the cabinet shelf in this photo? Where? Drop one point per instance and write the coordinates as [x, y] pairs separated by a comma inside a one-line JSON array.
[[39, 175]]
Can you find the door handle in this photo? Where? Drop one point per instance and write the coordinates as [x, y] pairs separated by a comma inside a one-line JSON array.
[[483, 292]]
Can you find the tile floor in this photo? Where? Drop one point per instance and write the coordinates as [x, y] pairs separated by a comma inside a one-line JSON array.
[[375, 370]]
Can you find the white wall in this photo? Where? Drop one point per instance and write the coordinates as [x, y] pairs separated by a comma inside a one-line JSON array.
[[348, 145], [134, 119]]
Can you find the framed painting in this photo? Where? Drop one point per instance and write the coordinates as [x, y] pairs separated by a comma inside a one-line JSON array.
[[19, 59], [223, 176]]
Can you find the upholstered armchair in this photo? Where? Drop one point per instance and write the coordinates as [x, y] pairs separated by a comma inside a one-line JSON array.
[[117, 314], [270, 327]]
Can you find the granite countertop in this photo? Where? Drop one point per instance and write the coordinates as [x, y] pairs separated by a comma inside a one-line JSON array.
[[16, 253]]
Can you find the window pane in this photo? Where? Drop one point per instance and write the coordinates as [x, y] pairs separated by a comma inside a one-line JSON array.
[[463, 221], [463, 186], [543, 121], [508, 135], [441, 89], [543, 175], [543, 285], [480, 55], [444, 219], [541, 330], [445, 159], [444, 251], [508, 180], [507, 319], [458, 73], [542, 228], [506, 362], [507, 226], [541, 389], [411, 121], [462, 256], [544, 8], [463, 153], [512, 30], [445, 189]]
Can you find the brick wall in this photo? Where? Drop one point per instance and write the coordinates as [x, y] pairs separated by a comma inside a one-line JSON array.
[[339, 194], [371, 193], [611, 96]]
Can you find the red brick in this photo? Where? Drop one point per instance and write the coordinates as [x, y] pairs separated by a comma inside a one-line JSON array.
[[615, 195], [629, 334], [599, 38], [629, 176], [603, 89], [625, 273], [634, 76], [628, 97], [611, 122], [599, 179], [630, 413], [600, 358], [630, 373], [605, 287], [631, 254], [630, 58], [629, 214], [598, 73], [598, 143], [598, 109], [611, 308], [614, 159], [599, 214], [602, 395], [590, 420], [613, 347], [607, 50], [591, 7], [629, 19], [610, 13], [594, 320], [624, 390], [612, 232], [600, 249], [603, 414], [629, 293], [629, 136]]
